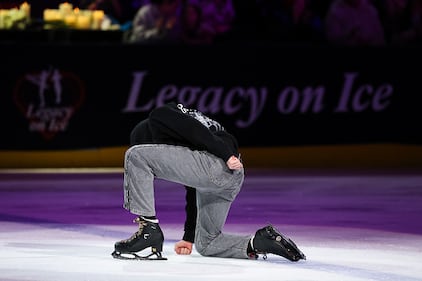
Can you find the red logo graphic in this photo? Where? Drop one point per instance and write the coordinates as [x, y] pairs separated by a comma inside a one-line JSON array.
[[48, 99]]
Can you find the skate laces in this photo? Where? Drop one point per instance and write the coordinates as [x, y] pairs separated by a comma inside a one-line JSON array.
[[138, 233], [142, 223]]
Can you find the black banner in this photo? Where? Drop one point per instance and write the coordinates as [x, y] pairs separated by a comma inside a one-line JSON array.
[[68, 96]]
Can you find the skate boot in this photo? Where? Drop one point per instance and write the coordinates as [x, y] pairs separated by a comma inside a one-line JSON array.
[[270, 240], [148, 235]]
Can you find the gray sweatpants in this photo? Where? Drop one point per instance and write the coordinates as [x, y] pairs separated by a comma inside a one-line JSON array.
[[216, 186]]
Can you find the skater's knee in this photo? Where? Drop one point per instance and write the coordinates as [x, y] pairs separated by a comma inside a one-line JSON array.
[[202, 249], [203, 245]]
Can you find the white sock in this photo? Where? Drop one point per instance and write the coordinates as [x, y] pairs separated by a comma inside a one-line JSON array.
[[253, 248], [150, 220]]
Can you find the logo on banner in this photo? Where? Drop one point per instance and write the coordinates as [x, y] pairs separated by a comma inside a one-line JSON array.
[[48, 99]]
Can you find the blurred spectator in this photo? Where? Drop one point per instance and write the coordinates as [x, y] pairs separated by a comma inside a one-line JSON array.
[[353, 23], [247, 24], [118, 11], [307, 21], [157, 21], [193, 31], [401, 20], [217, 16], [293, 21]]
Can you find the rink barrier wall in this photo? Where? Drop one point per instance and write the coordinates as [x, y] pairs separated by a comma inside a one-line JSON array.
[[324, 156]]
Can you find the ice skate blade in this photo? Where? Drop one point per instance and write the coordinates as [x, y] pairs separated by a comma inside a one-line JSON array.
[[134, 256]]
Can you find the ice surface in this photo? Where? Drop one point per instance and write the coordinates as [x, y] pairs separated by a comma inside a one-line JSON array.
[[83, 252], [351, 227]]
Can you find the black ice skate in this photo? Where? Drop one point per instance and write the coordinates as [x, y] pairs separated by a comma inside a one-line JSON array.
[[270, 240], [148, 235]]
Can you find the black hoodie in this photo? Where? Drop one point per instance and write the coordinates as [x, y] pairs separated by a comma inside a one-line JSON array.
[[175, 124]]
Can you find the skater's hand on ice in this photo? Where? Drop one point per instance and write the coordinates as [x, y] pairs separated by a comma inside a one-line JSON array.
[[183, 247], [234, 163]]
